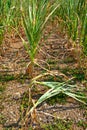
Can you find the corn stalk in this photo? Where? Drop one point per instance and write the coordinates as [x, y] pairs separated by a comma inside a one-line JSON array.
[[35, 15]]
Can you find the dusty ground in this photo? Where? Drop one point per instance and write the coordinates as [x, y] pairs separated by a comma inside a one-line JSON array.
[[55, 51]]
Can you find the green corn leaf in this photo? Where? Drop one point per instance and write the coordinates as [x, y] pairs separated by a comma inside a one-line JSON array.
[[57, 88], [35, 16]]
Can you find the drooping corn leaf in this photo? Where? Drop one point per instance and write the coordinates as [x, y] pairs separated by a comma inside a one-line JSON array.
[[56, 88]]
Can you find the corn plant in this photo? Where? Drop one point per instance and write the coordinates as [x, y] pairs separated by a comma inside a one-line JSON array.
[[67, 12], [83, 38], [35, 18], [9, 12], [1, 23], [73, 15], [35, 15], [9, 15]]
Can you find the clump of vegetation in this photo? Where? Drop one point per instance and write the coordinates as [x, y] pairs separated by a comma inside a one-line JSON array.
[[5, 78], [60, 98], [58, 125], [72, 16], [9, 15], [82, 124], [2, 88], [78, 74]]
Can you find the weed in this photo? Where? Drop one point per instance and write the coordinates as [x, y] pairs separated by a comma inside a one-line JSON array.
[[25, 99], [82, 123], [60, 98], [58, 125], [2, 119], [69, 60], [77, 73], [6, 78], [21, 78], [54, 78], [2, 88]]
